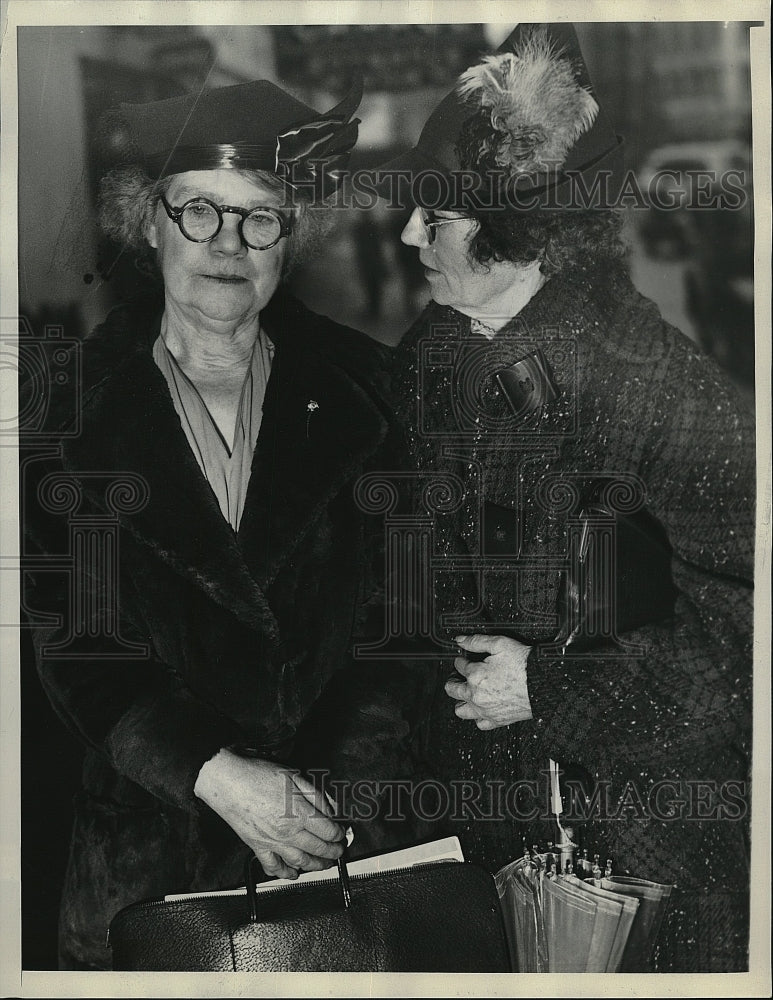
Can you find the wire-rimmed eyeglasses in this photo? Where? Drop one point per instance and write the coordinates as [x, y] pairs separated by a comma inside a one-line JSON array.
[[430, 222], [200, 220]]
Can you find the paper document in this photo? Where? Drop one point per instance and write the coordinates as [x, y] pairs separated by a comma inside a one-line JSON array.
[[448, 849]]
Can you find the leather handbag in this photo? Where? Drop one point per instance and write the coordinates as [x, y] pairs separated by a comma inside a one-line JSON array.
[[618, 583], [440, 916]]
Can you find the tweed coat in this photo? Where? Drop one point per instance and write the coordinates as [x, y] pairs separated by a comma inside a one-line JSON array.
[[219, 637], [656, 724]]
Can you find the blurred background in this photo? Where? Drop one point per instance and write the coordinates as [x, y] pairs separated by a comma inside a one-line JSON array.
[[678, 92]]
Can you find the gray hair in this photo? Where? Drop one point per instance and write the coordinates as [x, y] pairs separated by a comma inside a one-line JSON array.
[[128, 200]]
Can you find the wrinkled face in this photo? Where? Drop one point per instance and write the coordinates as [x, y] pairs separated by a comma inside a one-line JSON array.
[[453, 280], [223, 281]]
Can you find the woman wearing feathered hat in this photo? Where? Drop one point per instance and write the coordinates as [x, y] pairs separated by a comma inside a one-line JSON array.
[[545, 384], [237, 420]]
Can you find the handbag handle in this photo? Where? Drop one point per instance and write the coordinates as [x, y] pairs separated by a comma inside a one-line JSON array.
[[252, 893]]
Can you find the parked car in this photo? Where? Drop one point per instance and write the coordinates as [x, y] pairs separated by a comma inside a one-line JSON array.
[[680, 181]]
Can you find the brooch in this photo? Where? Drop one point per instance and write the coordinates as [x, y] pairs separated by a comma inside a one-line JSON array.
[[528, 385], [311, 407]]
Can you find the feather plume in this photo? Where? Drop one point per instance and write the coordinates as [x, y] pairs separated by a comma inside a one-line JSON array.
[[536, 108]]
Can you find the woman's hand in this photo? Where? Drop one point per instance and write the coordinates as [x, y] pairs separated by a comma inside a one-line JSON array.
[[494, 691], [279, 815]]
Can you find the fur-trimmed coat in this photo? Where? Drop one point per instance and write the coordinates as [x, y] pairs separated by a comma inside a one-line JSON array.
[[666, 729], [218, 637]]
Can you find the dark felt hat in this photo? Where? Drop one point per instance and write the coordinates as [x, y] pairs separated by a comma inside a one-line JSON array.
[[523, 128], [253, 125]]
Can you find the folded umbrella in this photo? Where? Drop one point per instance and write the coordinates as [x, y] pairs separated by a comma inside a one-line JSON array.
[[519, 897], [653, 900], [614, 918]]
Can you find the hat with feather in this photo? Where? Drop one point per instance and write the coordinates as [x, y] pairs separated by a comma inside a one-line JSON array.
[[254, 125], [525, 120]]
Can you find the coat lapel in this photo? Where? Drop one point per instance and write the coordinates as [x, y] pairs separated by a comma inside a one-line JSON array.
[[302, 459], [130, 426], [319, 427]]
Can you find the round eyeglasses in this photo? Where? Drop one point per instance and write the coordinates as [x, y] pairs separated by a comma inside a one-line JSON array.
[[430, 222], [200, 220]]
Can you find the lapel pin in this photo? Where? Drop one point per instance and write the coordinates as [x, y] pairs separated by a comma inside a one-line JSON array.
[[311, 406]]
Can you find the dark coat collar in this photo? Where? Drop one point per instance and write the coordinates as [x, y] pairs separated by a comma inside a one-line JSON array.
[[303, 457]]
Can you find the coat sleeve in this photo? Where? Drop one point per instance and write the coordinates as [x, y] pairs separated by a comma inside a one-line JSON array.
[[679, 705], [135, 711]]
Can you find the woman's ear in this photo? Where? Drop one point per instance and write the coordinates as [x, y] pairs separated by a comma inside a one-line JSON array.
[[151, 232], [151, 235]]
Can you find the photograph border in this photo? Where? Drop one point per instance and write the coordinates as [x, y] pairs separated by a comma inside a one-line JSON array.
[[13, 980]]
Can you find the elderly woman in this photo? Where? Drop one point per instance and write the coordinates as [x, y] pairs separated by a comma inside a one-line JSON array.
[[544, 391], [220, 431]]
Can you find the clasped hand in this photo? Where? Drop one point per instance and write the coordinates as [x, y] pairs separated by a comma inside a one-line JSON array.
[[278, 814], [493, 692]]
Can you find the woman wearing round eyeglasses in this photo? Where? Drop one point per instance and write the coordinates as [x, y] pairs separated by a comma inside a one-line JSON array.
[[237, 422]]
